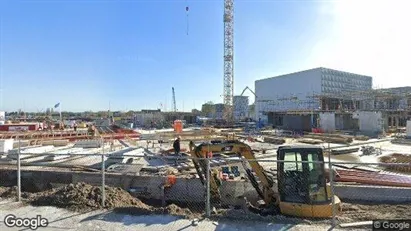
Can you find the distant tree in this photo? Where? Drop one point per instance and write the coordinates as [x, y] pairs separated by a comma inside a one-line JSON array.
[[208, 109], [195, 111], [130, 113]]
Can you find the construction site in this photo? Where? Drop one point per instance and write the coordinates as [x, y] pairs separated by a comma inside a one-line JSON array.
[[330, 150], [218, 173]]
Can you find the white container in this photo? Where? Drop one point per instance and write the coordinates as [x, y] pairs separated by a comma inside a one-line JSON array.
[[6, 145], [2, 117]]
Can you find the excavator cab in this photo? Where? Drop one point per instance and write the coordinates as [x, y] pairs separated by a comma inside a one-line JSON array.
[[303, 189]]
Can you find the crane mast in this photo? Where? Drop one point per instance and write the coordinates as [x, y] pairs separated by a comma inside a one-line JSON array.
[[174, 100], [228, 60]]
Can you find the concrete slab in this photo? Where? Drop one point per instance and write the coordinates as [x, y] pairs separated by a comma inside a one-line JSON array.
[[127, 155], [125, 168], [58, 155], [88, 144], [29, 151]]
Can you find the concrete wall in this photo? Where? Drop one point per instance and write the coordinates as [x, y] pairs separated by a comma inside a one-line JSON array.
[[327, 121], [297, 122], [145, 119], [371, 122], [408, 128], [190, 190], [373, 193], [185, 190]]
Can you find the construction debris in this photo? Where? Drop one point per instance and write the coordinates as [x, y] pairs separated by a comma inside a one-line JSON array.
[[362, 138], [273, 140], [330, 138], [310, 141], [397, 158], [370, 150], [401, 141], [344, 151]]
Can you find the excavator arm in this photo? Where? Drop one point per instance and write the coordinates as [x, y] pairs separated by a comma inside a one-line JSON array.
[[199, 153]]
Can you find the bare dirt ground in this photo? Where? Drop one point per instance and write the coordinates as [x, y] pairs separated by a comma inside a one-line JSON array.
[[362, 212], [83, 197]]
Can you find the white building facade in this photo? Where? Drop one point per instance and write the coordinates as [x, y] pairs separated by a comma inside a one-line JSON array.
[[298, 91]]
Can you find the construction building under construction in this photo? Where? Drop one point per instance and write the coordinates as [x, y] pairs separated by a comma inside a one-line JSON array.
[[330, 100], [241, 105]]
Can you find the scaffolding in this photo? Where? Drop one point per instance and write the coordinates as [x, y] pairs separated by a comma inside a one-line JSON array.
[[395, 103], [378, 100]]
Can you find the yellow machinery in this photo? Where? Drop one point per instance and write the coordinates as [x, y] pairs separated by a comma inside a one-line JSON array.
[[302, 187]]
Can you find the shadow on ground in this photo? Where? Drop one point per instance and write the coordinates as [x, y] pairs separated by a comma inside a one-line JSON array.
[[179, 224], [147, 220]]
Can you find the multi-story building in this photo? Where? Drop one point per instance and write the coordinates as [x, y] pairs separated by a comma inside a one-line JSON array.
[[219, 111], [316, 89], [240, 111], [148, 119]]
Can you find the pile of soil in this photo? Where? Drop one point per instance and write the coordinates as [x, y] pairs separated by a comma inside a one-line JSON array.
[[83, 197], [397, 158], [7, 192]]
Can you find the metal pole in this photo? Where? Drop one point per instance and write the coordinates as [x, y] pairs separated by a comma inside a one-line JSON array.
[[103, 179], [208, 187], [18, 174], [330, 167]]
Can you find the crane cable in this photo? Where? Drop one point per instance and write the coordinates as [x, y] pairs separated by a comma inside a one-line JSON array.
[[187, 9]]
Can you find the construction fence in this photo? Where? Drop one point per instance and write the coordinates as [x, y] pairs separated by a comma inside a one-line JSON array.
[[217, 187]]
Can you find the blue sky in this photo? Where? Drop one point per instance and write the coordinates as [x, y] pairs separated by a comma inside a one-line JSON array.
[[86, 54]]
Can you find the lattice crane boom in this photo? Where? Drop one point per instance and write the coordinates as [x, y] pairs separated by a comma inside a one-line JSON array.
[[228, 59]]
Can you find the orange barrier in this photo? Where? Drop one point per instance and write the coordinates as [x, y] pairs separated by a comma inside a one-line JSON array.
[[171, 180], [317, 130], [178, 126]]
